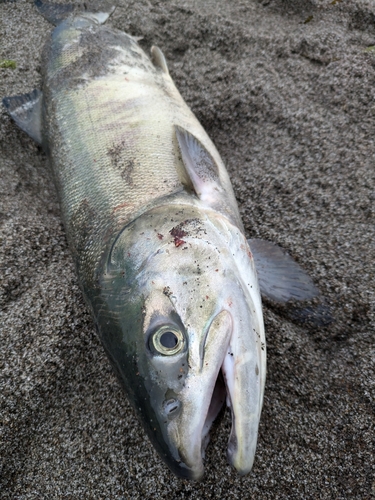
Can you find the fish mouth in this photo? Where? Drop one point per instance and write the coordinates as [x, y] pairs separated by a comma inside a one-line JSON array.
[[235, 376]]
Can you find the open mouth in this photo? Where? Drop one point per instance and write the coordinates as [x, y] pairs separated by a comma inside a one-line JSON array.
[[219, 396], [240, 385]]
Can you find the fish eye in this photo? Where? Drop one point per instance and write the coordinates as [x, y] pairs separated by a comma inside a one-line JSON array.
[[168, 340]]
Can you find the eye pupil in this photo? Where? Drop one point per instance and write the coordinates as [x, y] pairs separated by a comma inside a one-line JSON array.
[[168, 340]]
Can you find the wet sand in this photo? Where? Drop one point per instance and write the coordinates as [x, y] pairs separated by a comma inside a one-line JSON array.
[[286, 91]]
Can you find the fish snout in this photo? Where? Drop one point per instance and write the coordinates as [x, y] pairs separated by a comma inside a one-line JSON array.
[[198, 404]]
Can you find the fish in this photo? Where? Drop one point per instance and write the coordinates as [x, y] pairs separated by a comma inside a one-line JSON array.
[[172, 283]]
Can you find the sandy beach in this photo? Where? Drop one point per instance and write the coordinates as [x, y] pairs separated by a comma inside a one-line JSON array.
[[285, 89]]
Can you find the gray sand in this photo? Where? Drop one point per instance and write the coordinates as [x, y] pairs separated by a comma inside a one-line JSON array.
[[286, 91]]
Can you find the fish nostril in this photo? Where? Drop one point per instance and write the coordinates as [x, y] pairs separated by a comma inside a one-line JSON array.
[[171, 406]]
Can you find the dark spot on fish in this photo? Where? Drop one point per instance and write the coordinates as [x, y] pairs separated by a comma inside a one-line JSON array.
[[178, 232], [181, 230], [121, 163], [160, 236], [81, 229], [95, 57], [167, 291], [256, 370]]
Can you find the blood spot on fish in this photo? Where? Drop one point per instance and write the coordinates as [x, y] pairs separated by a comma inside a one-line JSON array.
[[160, 236], [120, 162], [178, 233], [178, 242]]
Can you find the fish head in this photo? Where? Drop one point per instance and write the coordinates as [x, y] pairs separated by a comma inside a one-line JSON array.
[[181, 321]]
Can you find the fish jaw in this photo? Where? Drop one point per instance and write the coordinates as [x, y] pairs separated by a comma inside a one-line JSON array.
[[244, 373]]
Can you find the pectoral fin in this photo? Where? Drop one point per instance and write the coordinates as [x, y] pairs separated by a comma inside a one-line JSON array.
[[282, 280], [204, 175], [26, 111], [200, 166], [280, 277]]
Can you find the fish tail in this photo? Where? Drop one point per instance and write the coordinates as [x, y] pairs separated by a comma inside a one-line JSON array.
[[56, 13]]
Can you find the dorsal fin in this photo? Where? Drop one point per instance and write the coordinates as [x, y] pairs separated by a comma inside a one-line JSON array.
[[158, 59], [26, 111]]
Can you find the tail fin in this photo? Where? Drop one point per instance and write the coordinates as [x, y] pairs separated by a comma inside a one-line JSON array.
[[56, 13]]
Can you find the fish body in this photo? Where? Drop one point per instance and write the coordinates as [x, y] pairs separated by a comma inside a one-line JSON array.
[[156, 237], [157, 243]]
